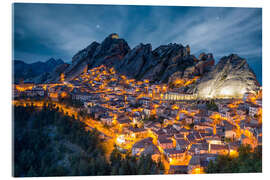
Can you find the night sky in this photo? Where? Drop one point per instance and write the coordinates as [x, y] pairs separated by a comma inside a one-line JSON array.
[[42, 31]]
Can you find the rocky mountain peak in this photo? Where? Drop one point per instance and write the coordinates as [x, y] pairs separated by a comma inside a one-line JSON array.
[[233, 59], [51, 60], [165, 50], [172, 50], [231, 77], [112, 46], [88, 51], [109, 52], [59, 61], [54, 62], [136, 61], [144, 47], [113, 36], [204, 57]]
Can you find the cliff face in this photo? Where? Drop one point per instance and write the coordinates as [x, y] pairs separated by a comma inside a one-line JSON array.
[[158, 65], [231, 77], [140, 62], [167, 63], [169, 59], [136, 62], [110, 51], [80, 61]]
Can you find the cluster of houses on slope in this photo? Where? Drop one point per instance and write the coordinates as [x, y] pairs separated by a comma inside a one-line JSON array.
[[184, 133]]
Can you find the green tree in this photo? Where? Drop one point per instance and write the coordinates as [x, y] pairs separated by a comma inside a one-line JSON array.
[[246, 162]]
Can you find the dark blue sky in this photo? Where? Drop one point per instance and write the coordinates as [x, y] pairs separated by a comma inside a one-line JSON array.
[[42, 31]]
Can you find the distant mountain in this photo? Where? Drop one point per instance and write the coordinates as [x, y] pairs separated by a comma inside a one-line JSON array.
[[23, 71], [50, 76]]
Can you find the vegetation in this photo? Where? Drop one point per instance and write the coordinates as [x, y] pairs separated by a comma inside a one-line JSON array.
[[224, 77], [246, 162], [133, 165], [191, 125], [49, 143], [153, 118], [212, 106], [71, 102]]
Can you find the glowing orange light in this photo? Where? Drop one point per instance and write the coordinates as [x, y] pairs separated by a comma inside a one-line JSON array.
[[197, 170], [175, 107]]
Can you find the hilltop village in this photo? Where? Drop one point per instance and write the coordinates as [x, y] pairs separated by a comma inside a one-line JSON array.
[[160, 120]]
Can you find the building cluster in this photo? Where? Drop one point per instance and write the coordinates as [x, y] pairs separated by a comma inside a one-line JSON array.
[[151, 119]]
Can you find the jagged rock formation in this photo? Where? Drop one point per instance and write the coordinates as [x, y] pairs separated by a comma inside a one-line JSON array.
[[80, 61], [111, 50], [167, 63], [231, 77], [139, 63], [167, 60], [143, 63], [202, 65], [205, 64]]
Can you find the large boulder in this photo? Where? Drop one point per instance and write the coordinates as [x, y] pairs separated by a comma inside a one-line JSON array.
[[169, 59], [80, 61], [137, 61], [205, 64], [231, 77], [110, 52]]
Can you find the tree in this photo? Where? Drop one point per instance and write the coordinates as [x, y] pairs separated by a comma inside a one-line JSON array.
[[212, 106], [246, 162], [31, 172], [41, 143]]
